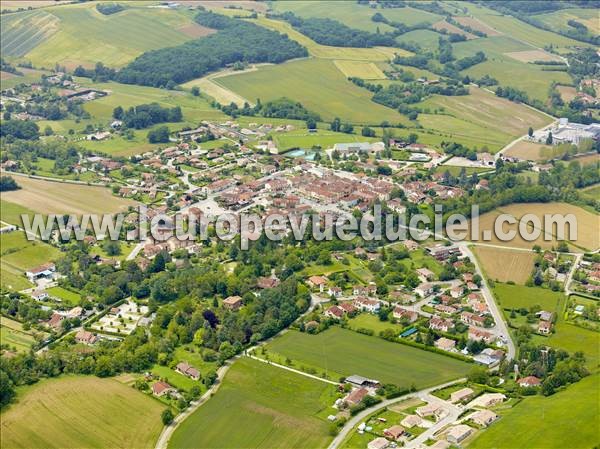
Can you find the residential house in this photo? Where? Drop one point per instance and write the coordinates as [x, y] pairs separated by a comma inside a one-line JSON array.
[[483, 417], [267, 282], [39, 295], [366, 304], [162, 388], [487, 400], [378, 443], [431, 409], [364, 290], [85, 337], [445, 344], [399, 313], [456, 434], [317, 282], [356, 396], [188, 370], [461, 395], [545, 327], [472, 319], [477, 334], [412, 421], [457, 292], [336, 292], [394, 432], [55, 321], [425, 275], [233, 302], [334, 312], [440, 324], [529, 381], [424, 290]]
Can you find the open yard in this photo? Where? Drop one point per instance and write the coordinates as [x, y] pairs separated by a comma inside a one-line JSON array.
[[548, 423], [318, 85], [260, 406], [341, 352], [477, 116], [48, 197], [504, 264], [81, 412]]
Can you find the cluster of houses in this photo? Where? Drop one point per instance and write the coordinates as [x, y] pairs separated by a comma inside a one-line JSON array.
[[587, 279]]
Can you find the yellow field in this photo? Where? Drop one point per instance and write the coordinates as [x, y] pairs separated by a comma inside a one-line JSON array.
[[360, 69], [530, 151], [567, 93], [210, 85], [326, 52], [48, 197], [505, 264], [81, 412], [588, 159], [587, 226]]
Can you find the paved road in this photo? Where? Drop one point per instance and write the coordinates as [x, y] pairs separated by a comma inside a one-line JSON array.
[[358, 418]]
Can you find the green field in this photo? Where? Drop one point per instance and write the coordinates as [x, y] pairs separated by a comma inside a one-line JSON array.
[[323, 138], [341, 352], [370, 321], [318, 85], [558, 19], [568, 419], [426, 39], [68, 297], [477, 116], [13, 335], [19, 254], [81, 412], [260, 406], [78, 34], [11, 212], [567, 336]]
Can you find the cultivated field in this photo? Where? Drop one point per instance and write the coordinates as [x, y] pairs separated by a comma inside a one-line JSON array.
[[260, 406], [567, 93], [530, 151], [477, 25], [81, 412], [504, 264], [453, 29], [548, 422], [587, 225], [210, 86], [558, 20], [532, 56], [318, 85], [427, 39], [48, 197], [360, 69], [78, 34], [13, 335], [340, 352], [477, 116]]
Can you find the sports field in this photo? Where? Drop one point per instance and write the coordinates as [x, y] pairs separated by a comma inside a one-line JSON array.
[[78, 34], [548, 423], [318, 85], [504, 264], [341, 352], [477, 115], [48, 197], [81, 412], [260, 406]]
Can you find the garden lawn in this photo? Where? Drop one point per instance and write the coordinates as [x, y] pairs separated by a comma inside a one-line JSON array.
[[81, 412], [259, 406], [341, 352]]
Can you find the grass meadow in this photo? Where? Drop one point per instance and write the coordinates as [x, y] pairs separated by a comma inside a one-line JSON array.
[[340, 352], [548, 423], [78, 412], [260, 406], [13, 335]]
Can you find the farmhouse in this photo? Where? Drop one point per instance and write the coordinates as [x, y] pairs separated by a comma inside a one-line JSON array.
[[484, 417], [356, 396], [458, 433], [461, 395], [233, 302], [187, 370], [161, 388], [46, 270]]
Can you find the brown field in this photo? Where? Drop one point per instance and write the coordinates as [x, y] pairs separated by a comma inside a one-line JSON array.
[[477, 25], [6, 75], [530, 151], [505, 264], [443, 25], [588, 159], [532, 55], [195, 30], [567, 93], [588, 224], [48, 197]]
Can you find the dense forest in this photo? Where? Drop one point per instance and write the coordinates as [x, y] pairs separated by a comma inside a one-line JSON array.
[[235, 41], [334, 33], [19, 129], [109, 8]]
